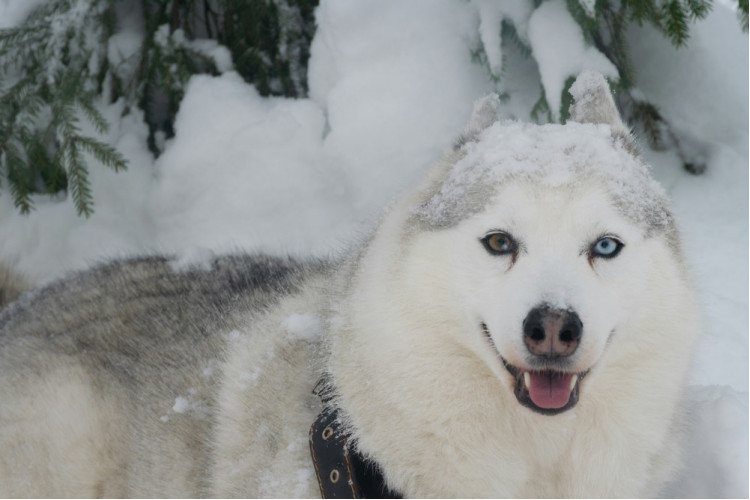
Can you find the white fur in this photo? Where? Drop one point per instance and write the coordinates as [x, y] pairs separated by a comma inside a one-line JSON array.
[[430, 399]]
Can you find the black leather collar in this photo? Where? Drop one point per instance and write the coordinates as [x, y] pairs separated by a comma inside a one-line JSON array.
[[341, 471]]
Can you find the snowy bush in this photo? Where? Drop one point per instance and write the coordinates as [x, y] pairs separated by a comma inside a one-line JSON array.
[[69, 57], [53, 71], [565, 37]]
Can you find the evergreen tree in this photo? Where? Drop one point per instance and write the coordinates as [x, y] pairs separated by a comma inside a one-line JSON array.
[[606, 31], [270, 42], [54, 68], [604, 24]]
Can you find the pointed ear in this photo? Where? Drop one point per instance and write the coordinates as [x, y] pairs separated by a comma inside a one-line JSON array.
[[593, 102], [485, 113]]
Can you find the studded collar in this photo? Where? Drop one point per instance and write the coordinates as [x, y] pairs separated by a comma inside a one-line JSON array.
[[342, 472]]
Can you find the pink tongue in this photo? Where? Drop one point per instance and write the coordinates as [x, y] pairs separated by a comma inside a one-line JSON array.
[[550, 389]]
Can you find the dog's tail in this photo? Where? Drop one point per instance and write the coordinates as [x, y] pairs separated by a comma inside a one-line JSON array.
[[12, 285]]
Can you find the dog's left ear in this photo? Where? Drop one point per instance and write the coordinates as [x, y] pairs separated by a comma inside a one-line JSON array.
[[593, 103], [484, 114]]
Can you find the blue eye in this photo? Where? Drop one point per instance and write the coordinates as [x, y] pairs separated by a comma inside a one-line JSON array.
[[606, 247]]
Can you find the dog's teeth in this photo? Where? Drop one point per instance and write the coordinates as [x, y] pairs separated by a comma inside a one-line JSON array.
[[573, 381], [526, 379]]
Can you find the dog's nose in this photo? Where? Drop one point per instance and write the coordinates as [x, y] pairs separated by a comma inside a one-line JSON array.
[[552, 333]]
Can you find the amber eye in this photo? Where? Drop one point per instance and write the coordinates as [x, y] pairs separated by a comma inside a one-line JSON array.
[[500, 243]]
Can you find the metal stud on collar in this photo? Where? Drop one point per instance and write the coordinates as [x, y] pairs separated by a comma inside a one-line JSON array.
[[342, 472], [334, 476]]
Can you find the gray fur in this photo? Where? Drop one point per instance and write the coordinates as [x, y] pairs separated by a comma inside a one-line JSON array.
[[145, 335]]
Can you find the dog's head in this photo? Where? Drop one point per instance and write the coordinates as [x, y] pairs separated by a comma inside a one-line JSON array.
[[547, 275], [536, 272], [547, 236]]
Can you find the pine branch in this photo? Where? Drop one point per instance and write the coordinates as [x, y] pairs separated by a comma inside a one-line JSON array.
[[618, 49], [479, 56], [85, 103], [674, 22], [59, 53], [742, 14], [586, 22], [541, 112], [641, 10], [649, 117], [509, 33], [566, 100], [17, 179], [59, 58], [78, 183], [104, 153], [699, 9]]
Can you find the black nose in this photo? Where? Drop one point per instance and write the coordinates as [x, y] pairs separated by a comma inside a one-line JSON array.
[[552, 333]]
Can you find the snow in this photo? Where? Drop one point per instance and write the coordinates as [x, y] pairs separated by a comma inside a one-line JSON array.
[[62, 25], [532, 152], [273, 145], [11, 11], [188, 404], [564, 55], [593, 101], [219, 54], [484, 114], [391, 87], [491, 14], [122, 49], [370, 63], [718, 411], [181, 404], [715, 65], [490, 31], [303, 326], [192, 258], [589, 6]]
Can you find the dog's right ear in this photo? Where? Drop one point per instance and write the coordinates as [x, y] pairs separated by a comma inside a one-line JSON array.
[[593, 103], [485, 113]]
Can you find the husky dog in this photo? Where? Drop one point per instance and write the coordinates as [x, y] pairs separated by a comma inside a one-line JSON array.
[[518, 326]]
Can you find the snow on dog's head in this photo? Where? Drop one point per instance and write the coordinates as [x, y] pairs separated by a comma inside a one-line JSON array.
[[595, 145]]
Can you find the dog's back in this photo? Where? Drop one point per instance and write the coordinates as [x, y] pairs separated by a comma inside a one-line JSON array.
[[124, 357]]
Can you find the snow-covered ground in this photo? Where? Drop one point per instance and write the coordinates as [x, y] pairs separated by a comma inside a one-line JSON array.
[[391, 86]]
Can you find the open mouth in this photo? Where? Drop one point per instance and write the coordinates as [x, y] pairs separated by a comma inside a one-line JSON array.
[[546, 391]]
